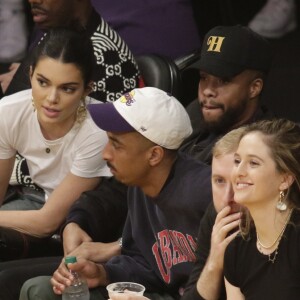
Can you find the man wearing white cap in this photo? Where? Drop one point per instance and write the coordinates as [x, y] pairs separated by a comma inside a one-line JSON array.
[[168, 193]]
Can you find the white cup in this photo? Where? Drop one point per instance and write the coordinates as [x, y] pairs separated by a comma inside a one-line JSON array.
[[125, 287]]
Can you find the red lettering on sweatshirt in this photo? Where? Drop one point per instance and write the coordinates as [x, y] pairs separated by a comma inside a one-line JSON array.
[[172, 248]]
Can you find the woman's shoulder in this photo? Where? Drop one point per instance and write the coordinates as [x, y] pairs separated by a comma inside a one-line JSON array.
[[295, 218], [295, 223], [17, 99], [16, 108]]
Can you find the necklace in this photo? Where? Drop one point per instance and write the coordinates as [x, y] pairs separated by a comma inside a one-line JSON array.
[[272, 256], [49, 145]]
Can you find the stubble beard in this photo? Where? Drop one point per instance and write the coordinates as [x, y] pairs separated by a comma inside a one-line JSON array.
[[227, 120]]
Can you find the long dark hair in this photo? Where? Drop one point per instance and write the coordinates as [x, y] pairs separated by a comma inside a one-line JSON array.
[[67, 46]]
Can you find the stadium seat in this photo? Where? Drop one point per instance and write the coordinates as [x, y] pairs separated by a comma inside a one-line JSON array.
[[179, 78]]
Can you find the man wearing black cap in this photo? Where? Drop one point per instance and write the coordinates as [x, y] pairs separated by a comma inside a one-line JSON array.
[[233, 66]]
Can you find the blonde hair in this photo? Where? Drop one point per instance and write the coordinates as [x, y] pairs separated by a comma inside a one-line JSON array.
[[228, 143]]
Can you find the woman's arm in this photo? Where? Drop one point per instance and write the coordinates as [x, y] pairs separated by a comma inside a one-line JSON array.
[[233, 292], [45, 221], [6, 167]]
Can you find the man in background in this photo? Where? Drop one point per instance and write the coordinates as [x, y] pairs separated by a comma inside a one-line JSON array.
[[233, 68], [115, 71]]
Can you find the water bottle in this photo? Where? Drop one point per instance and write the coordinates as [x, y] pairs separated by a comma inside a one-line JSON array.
[[78, 290]]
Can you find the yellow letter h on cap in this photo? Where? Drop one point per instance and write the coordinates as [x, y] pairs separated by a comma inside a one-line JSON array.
[[215, 43]]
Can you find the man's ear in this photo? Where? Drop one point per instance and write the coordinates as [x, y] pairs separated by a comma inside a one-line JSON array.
[[156, 154], [256, 87]]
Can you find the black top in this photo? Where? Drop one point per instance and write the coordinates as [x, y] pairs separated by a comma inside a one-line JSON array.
[[245, 267]]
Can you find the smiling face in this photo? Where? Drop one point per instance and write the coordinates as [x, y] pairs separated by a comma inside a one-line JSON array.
[[57, 90], [255, 178], [228, 102]]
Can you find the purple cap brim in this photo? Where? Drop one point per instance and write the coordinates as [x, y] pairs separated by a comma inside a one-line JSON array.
[[107, 118]]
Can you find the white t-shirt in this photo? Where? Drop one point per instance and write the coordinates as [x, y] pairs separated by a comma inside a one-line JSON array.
[[79, 151]]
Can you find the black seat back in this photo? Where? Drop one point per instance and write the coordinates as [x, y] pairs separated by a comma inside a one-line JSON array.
[[160, 72], [179, 78], [189, 72]]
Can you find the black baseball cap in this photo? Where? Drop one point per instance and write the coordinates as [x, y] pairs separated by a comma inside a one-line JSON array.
[[229, 50]]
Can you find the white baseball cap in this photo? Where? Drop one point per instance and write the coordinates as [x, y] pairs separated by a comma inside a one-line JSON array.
[[155, 114]]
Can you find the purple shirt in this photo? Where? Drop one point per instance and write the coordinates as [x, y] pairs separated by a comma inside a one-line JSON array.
[[163, 27]]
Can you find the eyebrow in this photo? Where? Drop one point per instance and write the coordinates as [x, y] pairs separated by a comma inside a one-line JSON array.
[[213, 176], [65, 83], [114, 139], [250, 156]]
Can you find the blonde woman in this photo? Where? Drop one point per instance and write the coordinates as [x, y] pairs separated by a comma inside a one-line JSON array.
[[263, 262]]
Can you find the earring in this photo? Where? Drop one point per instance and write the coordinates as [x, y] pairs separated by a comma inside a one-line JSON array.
[[81, 111], [33, 105], [280, 204]]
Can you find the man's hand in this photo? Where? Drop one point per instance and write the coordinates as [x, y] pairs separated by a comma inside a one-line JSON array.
[[94, 274], [6, 78], [97, 252], [222, 235], [73, 237], [210, 280], [78, 243]]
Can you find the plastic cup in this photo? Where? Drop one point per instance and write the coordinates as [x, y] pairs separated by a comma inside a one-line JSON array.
[[125, 287]]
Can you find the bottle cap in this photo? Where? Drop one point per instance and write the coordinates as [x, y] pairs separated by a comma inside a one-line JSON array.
[[70, 260]]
